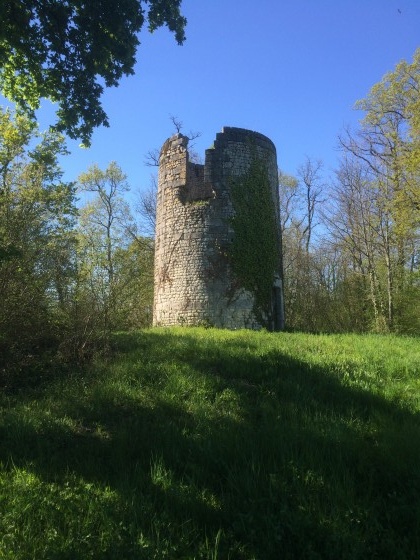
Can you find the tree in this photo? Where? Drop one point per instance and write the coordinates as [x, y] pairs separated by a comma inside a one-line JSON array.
[[393, 115], [102, 226], [299, 201], [146, 207], [37, 215], [115, 263], [310, 175], [106, 213], [355, 222], [388, 147], [135, 283], [65, 50]]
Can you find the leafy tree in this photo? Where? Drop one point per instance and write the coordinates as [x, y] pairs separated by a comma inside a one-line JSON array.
[[387, 146], [362, 228], [135, 283], [67, 50], [115, 263], [37, 213], [391, 133], [363, 272], [354, 223], [107, 212], [102, 229]]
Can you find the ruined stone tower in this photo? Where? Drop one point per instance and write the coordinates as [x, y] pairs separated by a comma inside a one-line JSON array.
[[218, 244]]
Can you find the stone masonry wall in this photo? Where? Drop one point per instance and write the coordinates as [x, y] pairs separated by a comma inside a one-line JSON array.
[[194, 283]]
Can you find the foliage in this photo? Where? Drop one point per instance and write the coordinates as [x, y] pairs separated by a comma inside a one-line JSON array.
[[392, 110], [135, 286], [363, 271], [386, 151], [63, 287], [255, 248], [390, 141], [114, 262], [66, 50], [37, 214], [204, 443]]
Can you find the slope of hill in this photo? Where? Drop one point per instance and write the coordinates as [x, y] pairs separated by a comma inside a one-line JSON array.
[[205, 444]]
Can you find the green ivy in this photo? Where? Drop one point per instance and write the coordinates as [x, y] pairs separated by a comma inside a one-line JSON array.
[[254, 250]]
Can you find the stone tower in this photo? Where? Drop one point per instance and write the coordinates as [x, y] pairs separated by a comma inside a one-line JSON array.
[[208, 241]]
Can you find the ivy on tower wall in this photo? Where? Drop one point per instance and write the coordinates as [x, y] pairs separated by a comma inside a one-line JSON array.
[[254, 249]]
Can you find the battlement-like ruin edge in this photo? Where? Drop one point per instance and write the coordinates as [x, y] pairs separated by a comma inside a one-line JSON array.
[[238, 134], [228, 134]]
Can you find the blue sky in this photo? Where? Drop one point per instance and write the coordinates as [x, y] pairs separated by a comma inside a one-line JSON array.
[[290, 69]]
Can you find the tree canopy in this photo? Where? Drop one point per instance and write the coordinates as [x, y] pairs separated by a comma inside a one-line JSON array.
[[67, 50], [390, 137], [69, 272]]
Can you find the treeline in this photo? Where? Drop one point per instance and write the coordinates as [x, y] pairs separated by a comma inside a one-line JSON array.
[[74, 266], [70, 273], [352, 246]]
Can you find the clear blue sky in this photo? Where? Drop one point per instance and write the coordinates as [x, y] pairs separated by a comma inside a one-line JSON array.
[[290, 69]]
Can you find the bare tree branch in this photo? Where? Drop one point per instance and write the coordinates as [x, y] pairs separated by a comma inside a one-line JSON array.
[[146, 207]]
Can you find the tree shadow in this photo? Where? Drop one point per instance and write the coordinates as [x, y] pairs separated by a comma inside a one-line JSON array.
[[284, 459]]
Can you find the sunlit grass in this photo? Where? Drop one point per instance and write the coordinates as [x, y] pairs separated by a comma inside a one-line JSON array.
[[204, 444]]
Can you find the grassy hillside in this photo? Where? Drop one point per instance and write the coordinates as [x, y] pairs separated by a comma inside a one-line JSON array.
[[205, 444]]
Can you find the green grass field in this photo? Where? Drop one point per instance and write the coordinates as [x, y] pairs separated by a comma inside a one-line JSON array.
[[209, 444]]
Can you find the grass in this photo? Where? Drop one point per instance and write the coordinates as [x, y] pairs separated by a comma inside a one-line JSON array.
[[209, 444]]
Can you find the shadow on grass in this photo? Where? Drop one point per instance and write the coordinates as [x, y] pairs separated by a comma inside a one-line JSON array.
[[275, 453]]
